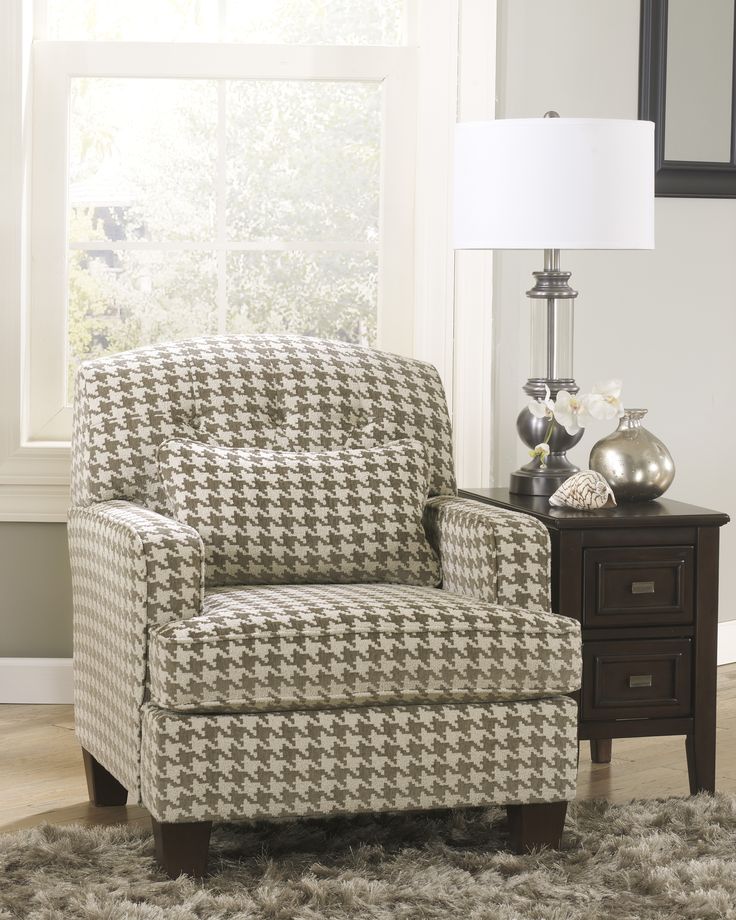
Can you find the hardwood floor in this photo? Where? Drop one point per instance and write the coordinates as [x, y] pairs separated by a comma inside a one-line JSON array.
[[42, 776]]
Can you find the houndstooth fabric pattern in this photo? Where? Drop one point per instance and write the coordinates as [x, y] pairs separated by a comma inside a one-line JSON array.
[[386, 758], [274, 392], [138, 580], [270, 517], [494, 555], [131, 570], [323, 646]]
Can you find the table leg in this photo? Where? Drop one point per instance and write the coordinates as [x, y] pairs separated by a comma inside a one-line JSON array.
[[600, 750]]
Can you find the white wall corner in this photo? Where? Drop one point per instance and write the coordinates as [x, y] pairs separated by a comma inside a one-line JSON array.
[[434, 32], [36, 680], [473, 301], [727, 642]]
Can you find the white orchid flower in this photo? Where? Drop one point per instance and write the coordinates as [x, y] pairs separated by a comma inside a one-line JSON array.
[[604, 401], [569, 410], [542, 408], [541, 451]]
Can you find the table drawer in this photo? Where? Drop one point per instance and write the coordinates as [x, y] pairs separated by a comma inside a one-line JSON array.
[[638, 586], [636, 679]]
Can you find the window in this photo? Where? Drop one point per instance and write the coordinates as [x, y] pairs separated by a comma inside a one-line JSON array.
[[173, 167], [203, 206], [187, 188]]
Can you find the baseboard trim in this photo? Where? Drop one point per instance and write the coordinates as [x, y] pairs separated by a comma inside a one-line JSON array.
[[36, 680], [727, 642]]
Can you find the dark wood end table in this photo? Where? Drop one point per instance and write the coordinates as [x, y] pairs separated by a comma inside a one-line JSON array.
[[642, 579]]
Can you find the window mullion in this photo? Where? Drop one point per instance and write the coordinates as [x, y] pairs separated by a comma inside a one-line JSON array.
[[221, 206], [40, 20], [221, 20]]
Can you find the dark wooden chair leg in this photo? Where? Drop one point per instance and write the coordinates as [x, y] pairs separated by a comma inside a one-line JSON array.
[[535, 826], [102, 786], [182, 848], [600, 750]]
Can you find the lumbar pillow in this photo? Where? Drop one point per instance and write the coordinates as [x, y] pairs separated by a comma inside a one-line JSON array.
[[282, 517]]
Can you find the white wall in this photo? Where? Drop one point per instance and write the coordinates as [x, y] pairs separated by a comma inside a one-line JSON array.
[[663, 321]]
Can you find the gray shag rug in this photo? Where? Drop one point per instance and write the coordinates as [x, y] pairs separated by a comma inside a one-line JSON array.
[[658, 859]]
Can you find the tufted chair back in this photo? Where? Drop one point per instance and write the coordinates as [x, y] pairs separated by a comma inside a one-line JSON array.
[[277, 392]]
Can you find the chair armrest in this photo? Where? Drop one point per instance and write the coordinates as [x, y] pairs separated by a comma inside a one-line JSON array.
[[497, 556], [131, 569]]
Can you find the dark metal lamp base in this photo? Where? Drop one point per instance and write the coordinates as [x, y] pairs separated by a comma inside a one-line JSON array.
[[539, 482], [533, 478]]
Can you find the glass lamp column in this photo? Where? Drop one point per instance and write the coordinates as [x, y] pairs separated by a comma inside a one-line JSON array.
[[552, 320]]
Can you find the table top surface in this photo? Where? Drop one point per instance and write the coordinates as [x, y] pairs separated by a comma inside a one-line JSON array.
[[663, 512]]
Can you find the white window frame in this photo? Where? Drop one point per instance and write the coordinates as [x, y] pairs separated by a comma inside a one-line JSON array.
[[56, 63], [450, 320]]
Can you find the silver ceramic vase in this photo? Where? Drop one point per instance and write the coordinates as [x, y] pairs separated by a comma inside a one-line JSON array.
[[636, 464]]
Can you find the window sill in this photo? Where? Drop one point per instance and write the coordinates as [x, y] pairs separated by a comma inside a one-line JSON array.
[[42, 503], [34, 482]]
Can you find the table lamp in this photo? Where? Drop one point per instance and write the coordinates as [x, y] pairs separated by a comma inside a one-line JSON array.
[[553, 183]]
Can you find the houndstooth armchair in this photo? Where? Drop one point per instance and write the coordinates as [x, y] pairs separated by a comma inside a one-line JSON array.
[[208, 700]]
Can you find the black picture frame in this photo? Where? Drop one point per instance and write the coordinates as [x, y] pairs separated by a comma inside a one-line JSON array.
[[676, 178]]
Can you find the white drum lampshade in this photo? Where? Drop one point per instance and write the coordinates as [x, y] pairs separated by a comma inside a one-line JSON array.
[[554, 183]]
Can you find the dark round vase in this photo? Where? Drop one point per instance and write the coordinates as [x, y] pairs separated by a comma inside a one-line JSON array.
[[533, 478]]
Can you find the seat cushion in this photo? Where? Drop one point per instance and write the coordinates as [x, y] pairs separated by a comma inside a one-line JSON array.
[[280, 647]]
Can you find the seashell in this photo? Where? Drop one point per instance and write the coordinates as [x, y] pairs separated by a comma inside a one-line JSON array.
[[584, 491]]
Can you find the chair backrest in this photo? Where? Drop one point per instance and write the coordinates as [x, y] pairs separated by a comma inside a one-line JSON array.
[[280, 392]]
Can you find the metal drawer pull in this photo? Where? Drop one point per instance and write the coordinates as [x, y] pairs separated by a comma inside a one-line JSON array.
[[640, 680], [642, 587]]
